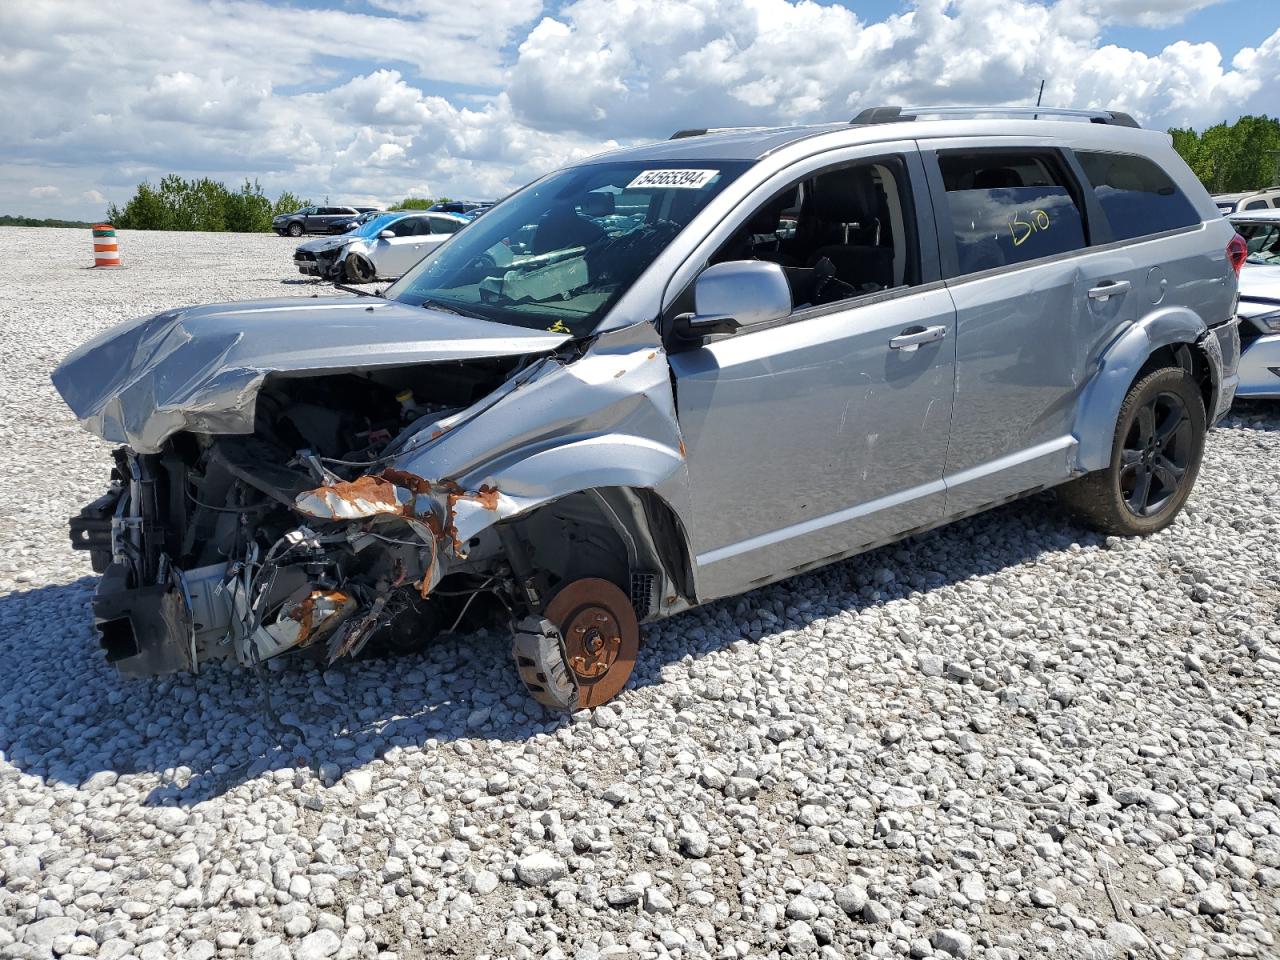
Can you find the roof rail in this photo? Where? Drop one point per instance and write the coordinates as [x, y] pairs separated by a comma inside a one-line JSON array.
[[700, 131], [897, 114]]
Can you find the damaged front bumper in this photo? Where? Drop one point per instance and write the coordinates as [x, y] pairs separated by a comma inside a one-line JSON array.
[[326, 264], [309, 591]]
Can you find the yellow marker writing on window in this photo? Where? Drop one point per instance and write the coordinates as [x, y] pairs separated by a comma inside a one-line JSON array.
[[1021, 230]]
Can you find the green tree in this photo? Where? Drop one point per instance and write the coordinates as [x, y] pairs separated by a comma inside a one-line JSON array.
[[201, 204], [248, 210], [415, 203], [287, 203], [1235, 157], [147, 209]]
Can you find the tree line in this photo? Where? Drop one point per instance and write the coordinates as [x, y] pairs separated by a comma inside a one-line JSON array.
[[1235, 157], [1243, 155], [204, 204]]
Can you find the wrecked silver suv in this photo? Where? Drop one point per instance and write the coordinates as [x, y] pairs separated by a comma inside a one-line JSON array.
[[660, 377]]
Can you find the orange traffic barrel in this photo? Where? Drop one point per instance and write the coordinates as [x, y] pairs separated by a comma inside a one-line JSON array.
[[106, 252]]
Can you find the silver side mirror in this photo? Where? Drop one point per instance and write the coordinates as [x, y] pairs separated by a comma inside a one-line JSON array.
[[387, 235], [728, 296]]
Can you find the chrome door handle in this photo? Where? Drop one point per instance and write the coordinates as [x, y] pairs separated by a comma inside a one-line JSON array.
[[913, 337], [1109, 288]]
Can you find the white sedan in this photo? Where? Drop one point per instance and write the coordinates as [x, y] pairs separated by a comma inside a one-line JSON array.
[[381, 249], [1259, 308]]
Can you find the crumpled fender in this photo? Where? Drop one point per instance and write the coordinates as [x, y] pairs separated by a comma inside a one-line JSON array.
[[1099, 405], [606, 419]]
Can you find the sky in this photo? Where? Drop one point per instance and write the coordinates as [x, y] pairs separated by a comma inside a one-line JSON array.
[[369, 101]]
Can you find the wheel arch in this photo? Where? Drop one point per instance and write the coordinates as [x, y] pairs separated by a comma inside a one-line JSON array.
[[1174, 336], [631, 536]]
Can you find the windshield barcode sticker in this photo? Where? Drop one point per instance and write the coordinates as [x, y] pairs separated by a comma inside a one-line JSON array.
[[680, 179]]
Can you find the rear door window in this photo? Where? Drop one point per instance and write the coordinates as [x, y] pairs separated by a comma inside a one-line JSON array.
[[1136, 195], [1256, 205], [1009, 207]]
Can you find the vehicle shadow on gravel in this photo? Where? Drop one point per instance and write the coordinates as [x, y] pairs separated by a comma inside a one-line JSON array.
[[66, 716]]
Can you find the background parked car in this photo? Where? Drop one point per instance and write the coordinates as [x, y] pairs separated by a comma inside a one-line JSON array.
[[1259, 307], [460, 206], [348, 223], [311, 220], [1265, 199], [380, 249]]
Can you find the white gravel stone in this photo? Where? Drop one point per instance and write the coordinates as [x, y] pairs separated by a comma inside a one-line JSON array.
[[890, 756], [955, 943], [318, 946], [1125, 936], [540, 868]]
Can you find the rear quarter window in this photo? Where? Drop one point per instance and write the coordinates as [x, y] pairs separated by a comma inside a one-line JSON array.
[[1136, 195]]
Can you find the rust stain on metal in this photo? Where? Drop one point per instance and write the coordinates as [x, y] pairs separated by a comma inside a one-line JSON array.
[[410, 481], [652, 355], [350, 499], [376, 494], [682, 448], [305, 612], [424, 588]]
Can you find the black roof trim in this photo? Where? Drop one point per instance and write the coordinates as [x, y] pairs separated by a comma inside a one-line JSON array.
[[895, 114]]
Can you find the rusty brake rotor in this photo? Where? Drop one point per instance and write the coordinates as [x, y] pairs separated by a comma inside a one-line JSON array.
[[601, 637]]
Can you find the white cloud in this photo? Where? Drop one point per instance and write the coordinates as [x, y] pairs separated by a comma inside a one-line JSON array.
[[1147, 13], [474, 99]]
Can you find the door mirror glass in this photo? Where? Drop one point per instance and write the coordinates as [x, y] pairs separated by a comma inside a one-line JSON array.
[[728, 296]]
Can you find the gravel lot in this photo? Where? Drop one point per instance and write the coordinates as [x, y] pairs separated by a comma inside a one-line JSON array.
[[1009, 738]]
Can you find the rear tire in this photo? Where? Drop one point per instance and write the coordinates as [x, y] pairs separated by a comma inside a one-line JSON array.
[[1155, 458]]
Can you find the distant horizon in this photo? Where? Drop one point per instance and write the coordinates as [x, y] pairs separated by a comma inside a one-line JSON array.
[[375, 100]]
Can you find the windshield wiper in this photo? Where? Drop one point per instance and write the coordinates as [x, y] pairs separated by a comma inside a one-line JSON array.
[[447, 308], [357, 292]]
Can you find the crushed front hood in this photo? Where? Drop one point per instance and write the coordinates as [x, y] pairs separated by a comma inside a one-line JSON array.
[[328, 243], [200, 368]]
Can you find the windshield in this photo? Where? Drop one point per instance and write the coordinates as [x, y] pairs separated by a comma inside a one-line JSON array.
[[371, 228], [558, 254], [1263, 241]]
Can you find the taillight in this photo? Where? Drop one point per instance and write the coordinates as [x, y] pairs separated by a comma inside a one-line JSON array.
[[1237, 252]]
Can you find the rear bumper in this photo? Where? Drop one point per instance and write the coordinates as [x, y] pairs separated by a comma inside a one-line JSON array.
[[1222, 346], [1260, 368]]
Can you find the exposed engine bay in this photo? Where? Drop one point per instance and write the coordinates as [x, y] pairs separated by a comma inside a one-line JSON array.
[[214, 547]]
